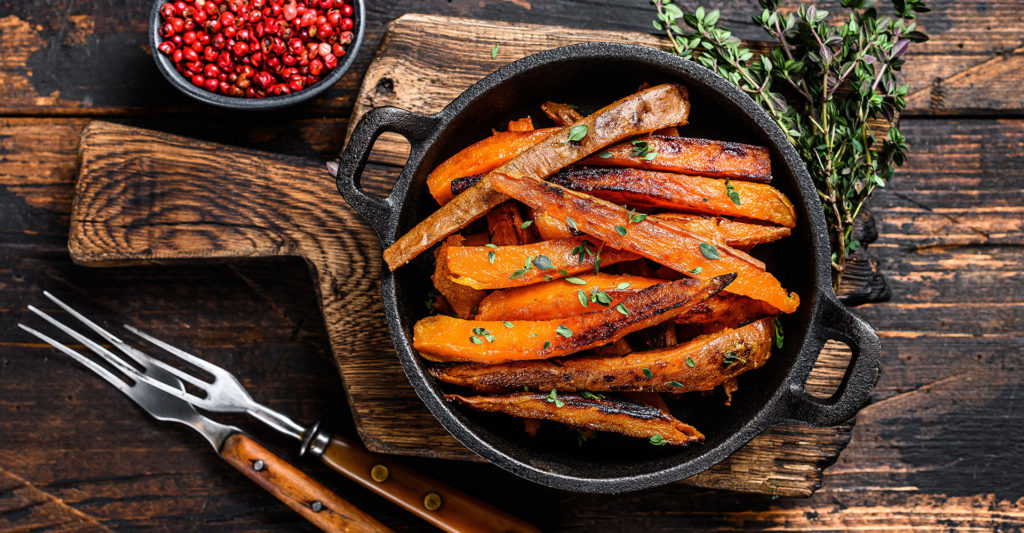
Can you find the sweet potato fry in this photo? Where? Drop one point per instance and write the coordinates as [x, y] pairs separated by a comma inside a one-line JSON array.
[[522, 124], [726, 310], [609, 414], [561, 114], [741, 235], [557, 299], [653, 399], [665, 190], [460, 185], [716, 358], [657, 107], [455, 215], [616, 349], [482, 157], [505, 226], [461, 298], [548, 227], [449, 339], [515, 266], [702, 157], [652, 238]]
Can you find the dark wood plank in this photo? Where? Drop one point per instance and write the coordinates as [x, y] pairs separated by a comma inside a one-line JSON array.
[[67, 57]]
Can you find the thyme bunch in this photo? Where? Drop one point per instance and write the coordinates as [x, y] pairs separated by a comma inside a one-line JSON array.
[[825, 80]]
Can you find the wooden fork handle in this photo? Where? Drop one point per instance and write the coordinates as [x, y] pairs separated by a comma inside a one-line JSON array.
[[442, 506], [305, 495]]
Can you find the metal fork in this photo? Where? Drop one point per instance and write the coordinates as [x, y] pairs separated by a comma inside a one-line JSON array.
[[302, 493], [443, 506]]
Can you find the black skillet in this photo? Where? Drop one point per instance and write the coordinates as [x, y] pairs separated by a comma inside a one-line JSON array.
[[592, 75]]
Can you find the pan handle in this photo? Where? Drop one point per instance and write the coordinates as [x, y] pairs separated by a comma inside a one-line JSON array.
[[838, 323], [414, 127]]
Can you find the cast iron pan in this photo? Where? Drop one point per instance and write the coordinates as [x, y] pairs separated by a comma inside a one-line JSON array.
[[592, 75]]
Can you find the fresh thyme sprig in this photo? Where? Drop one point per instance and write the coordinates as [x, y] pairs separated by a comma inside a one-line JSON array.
[[825, 83]]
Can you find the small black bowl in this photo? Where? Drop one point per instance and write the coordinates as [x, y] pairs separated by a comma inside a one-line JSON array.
[[184, 85]]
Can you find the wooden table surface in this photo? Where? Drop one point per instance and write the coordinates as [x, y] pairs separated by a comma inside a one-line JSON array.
[[937, 447]]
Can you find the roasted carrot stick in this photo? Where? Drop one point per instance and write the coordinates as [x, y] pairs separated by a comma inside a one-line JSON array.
[[461, 298], [548, 227], [702, 157], [608, 414], [460, 185], [522, 124], [716, 358], [561, 114], [740, 235], [726, 310], [455, 215], [449, 339], [665, 190], [481, 157], [505, 226], [648, 110], [500, 267], [651, 237], [557, 299]]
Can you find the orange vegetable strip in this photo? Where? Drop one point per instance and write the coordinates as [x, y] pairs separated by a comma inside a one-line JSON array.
[[726, 310], [703, 157], [609, 414], [657, 107], [665, 190], [548, 227], [561, 114], [505, 225], [481, 157], [557, 299], [653, 238], [742, 235], [461, 298], [455, 215], [670, 369], [472, 266], [448, 339], [522, 124]]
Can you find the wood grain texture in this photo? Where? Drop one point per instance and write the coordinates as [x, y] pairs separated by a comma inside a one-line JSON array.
[[21, 503], [306, 496], [408, 488], [93, 59]]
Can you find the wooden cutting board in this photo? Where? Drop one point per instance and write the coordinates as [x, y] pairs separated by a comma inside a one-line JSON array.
[[149, 197]]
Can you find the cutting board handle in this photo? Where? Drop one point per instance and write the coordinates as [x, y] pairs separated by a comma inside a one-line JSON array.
[[147, 196]]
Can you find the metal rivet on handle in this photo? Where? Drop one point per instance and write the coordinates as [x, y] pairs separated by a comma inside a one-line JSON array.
[[316, 506], [432, 501], [258, 465], [379, 473]]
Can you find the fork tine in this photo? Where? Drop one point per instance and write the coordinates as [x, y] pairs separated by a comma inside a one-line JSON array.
[[117, 382], [137, 355], [191, 359], [89, 343], [120, 344], [123, 366]]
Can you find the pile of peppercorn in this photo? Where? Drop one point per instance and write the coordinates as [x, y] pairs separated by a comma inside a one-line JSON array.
[[255, 48]]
